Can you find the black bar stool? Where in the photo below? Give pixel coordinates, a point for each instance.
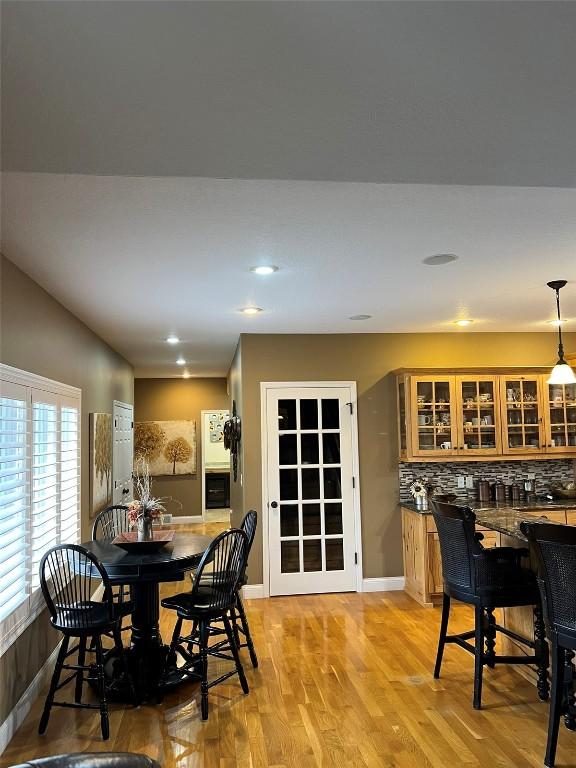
(211, 599)
(69, 576)
(554, 548)
(486, 579)
(108, 524)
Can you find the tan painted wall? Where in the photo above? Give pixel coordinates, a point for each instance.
(367, 359)
(169, 399)
(38, 334)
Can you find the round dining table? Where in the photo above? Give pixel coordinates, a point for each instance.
(143, 573)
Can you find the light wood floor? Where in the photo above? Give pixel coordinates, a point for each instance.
(344, 680)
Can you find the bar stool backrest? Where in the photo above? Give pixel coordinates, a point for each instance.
(111, 522)
(248, 525)
(554, 547)
(69, 576)
(458, 543)
(220, 570)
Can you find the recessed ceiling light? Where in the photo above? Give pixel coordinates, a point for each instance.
(264, 269)
(180, 361)
(439, 258)
(251, 310)
(172, 340)
(360, 317)
(463, 322)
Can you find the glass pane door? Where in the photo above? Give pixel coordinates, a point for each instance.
(402, 436)
(432, 416)
(522, 415)
(311, 517)
(561, 404)
(478, 419)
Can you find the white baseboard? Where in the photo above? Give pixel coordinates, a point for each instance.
(20, 711)
(185, 519)
(383, 584)
(253, 591)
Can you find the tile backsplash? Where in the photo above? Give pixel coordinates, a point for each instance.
(548, 473)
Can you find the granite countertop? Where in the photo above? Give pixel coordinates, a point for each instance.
(486, 506)
(507, 516)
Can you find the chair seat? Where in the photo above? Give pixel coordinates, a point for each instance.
(86, 617)
(93, 760)
(203, 603)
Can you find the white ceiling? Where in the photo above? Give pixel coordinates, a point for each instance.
(138, 258)
(412, 92)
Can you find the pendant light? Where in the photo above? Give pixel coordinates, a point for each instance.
(561, 373)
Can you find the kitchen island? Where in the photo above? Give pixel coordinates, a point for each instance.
(498, 523)
(500, 526)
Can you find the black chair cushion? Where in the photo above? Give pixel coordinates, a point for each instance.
(93, 760)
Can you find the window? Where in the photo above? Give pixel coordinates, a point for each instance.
(39, 487)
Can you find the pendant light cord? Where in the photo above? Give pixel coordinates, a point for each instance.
(560, 345)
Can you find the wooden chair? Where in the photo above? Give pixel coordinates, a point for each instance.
(487, 579)
(554, 549)
(211, 599)
(108, 524)
(69, 576)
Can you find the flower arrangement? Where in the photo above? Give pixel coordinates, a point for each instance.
(145, 508)
(419, 489)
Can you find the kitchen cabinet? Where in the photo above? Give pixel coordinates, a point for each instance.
(475, 414)
(560, 422)
(522, 414)
(422, 558)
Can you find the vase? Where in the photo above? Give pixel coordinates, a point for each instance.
(144, 526)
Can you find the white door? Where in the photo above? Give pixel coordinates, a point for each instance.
(312, 527)
(122, 452)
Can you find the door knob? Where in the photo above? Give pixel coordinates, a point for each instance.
(273, 504)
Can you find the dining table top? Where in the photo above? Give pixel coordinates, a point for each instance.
(169, 563)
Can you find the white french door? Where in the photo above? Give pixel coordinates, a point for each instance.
(312, 525)
(122, 452)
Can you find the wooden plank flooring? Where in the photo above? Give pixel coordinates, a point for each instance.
(344, 680)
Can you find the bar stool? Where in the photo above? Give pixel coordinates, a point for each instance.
(69, 576)
(554, 549)
(108, 524)
(211, 599)
(487, 579)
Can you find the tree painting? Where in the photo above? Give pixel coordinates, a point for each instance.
(168, 447)
(177, 450)
(149, 439)
(100, 461)
(103, 447)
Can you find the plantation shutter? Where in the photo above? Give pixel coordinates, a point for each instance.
(14, 488)
(69, 472)
(45, 490)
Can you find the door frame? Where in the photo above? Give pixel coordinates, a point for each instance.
(264, 387)
(202, 414)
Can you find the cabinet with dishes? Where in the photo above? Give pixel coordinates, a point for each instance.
(480, 414)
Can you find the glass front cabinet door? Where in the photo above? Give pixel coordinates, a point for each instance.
(560, 402)
(432, 416)
(478, 415)
(522, 414)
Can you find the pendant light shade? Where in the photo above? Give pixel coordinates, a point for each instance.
(561, 373)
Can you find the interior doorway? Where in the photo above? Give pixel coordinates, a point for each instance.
(311, 506)
(215, 467)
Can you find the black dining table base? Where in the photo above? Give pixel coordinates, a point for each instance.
(147, 655)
